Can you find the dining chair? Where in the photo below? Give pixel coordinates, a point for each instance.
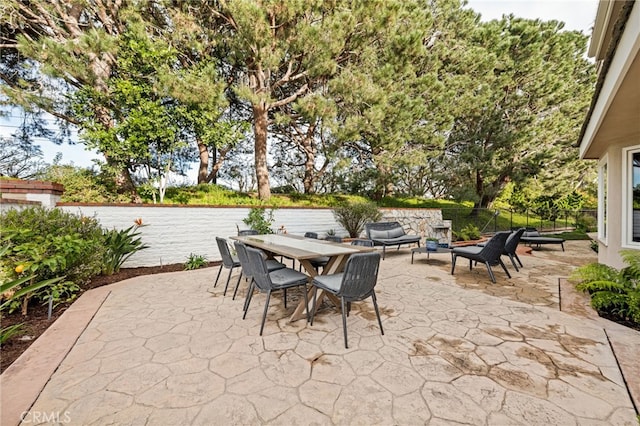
(247, 232)
(356, 283)
(362, 242)
(334, 238)
(241, 250)
(489, 254)
(316, 262)
(228, 261)
(266, 282)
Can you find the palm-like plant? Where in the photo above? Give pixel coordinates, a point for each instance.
(613, 292)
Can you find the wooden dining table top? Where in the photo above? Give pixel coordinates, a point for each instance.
(297, 247)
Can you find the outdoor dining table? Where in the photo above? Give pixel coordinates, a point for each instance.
(303, 250)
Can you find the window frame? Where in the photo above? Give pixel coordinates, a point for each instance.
(603, 199)
(627, 197)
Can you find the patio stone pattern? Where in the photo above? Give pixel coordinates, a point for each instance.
(170, 349)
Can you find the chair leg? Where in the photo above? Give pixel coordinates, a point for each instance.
(375, 306)
(504, 267)
(518, 259)
(562, 245)
(218, 276)
(235, 291)
(284, 294)
(384, 248)
(453, 262)
(493, 279)
(264, 314)
(470, 265)
(313, 309)
(247, 298)
(344, 321)
(306, 301)
(248, 301)
(513, 262)
(224, 293)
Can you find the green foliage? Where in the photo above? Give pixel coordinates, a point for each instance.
(594, 246)
(469, 232)
(353, 216)
(83, 185)
(50, 243)
(586, 223)
(614, 293)
(7, 333)
(260, 220)
(120, 245)
(195, 261)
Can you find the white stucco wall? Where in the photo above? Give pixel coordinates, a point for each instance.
(608, 252)
(173, 232)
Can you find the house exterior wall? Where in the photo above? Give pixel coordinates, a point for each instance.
(608, 252)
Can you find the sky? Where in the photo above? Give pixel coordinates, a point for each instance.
(576, 14)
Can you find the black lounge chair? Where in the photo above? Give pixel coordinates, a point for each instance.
(511, 246)
(489, 254)
(532, 236)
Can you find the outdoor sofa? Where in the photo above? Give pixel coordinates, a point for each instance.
(389, 234)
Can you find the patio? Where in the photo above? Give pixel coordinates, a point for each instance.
(170, 349)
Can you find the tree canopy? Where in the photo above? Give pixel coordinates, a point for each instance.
(379, 97)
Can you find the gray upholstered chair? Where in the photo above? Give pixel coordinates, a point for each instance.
(247, 232)
(334, 238)
(489, 254)
(357, 282)
(266, 282)
(362, 242)
(317, 262)
(228, 261)
(241, 250)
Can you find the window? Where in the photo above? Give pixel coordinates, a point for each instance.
(631, 197)
(603, 179)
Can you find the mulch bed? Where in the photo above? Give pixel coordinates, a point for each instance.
(36, 321)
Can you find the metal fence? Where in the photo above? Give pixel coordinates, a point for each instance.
(492, 220)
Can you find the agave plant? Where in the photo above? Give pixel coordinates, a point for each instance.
(613, 292)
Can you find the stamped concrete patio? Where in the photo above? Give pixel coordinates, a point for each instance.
(170, 350)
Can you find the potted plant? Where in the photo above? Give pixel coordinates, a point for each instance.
(353, 216)
(431, 244)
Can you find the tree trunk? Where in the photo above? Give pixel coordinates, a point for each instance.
(309, 149)
(260, 135)
(203, 167)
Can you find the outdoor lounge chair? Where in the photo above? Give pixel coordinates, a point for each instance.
(532, 236)
(357, 282)
(511, 246)
(489, 254)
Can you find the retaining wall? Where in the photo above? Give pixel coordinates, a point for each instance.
(173, 232)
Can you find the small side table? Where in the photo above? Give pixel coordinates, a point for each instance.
(424, 250)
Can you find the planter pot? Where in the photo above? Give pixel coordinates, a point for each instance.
(431, 245)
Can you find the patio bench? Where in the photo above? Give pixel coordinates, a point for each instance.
(389, 234)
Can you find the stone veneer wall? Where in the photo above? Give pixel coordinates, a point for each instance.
(425, 222)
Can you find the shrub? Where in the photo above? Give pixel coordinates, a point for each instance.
(195, 261)
(614, 293)
(586, 223)
(47, 244)
(259, 220)
(353, 216)
(121, 245)
(469, 232)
